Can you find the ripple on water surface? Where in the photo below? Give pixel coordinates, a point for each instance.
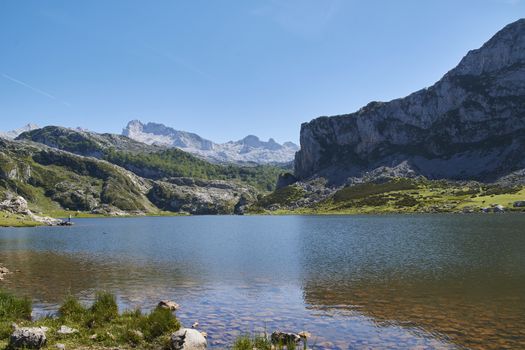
(358, 282)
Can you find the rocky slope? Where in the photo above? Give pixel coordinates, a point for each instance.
(469, 125)
(249, 149)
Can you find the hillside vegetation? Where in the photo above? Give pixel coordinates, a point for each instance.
(398, 195)
(151, 161)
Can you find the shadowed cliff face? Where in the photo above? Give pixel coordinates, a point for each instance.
(469, 125)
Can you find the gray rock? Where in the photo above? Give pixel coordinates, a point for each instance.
(60, 346)
(498, 208)
(168, 304)
(65, 330)
(188, 339)
(28, 338)
(518, 204)
(3, 271)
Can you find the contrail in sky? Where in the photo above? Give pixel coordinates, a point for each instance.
(37, 90)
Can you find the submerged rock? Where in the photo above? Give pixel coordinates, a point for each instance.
(284, 338)
(28, 338)
(188, 339)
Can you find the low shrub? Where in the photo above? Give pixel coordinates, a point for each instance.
(72, 309)
(158, 322)
(105, 308)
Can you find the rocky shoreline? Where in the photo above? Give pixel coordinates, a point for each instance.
(17, 205)
(101, 326)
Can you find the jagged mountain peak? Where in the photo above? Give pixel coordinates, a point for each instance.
(504, 49)
(249, 149)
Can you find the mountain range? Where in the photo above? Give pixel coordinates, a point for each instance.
(248, 150)
(457, 145)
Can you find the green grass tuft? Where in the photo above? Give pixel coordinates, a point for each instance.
(72, 310)
(14, 308)
(105, 308)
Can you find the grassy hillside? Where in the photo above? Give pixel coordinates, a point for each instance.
(150, 161)
(395, 196)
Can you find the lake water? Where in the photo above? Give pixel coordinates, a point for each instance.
(354, 282)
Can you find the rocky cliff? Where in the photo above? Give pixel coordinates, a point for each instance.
(469, 125)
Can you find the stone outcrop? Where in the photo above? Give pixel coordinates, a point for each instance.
(195, 196)
(28, 338)
(469, 125)
(18, 205)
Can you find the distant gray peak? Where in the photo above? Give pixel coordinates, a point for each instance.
(505, 49)
(14, 133)
(248, 149)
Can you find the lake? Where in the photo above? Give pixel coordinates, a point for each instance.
(354, 282)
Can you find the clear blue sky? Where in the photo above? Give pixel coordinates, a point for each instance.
(226, 69)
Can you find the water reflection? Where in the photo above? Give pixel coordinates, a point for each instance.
(393, 282)
(457, 279)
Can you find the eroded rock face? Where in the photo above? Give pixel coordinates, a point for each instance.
(188, 339)
(199, 197)
(469, 125)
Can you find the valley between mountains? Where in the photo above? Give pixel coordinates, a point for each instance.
(456, 146)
